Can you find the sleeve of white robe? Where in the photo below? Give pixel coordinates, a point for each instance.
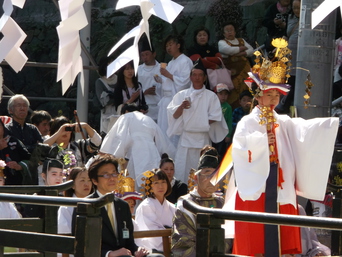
(176, 126)
(163, 143)
(118, 139)
(9, 211)
(312, 143)
(251, 158)
(181, 78)
(147, 218)
(218, 129)
(64, 220)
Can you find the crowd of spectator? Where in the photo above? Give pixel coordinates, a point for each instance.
(158, 119)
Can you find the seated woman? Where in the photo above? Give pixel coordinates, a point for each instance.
(82, 188)
(155, 212)
(209, 55)
(178, 188)
(63, 135)
(235, 52)
(128, 89)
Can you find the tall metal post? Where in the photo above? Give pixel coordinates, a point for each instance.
(83, 90)
(315, 53)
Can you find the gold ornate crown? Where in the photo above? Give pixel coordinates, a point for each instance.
(277, 70)
(126, 183)
(191, 179)
(147, 181)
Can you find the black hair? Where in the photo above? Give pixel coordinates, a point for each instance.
(59, 122)
(4, 128)
(198, 30)
(165, 159)
(229, 23)
(103, 63)
(39, 116)
(245, 93)
(177, 39)
(99, 162)
(159, 175)
(129, 108)
(52, 163)
(121, 84)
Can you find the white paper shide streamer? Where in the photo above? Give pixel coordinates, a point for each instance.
(13, 37)
(323, 10)
(165, 9)
(73, 19)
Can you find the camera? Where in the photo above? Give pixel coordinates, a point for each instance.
(70, 129)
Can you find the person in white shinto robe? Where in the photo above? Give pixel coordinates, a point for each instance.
(198, 122)
(137, 137)
(175, 77)
(146, 73)
(155, 212)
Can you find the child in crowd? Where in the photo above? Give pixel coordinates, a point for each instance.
(246, 100)
(222, 93)
(52, 173)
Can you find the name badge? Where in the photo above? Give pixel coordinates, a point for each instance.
(125, 232)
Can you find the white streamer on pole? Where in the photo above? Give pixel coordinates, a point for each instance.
(164, 9)
(69, 56)
(323, 10)
(13, 37)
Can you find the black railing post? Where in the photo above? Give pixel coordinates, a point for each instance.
(209, 235)
(88, 229)
(336, 236)
(50, 218)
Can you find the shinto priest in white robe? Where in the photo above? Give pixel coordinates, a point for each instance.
(137, 137)
(194, 128)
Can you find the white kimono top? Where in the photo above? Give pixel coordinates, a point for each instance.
(152, 215)
(64, 218)
(146, 75)
(180, 68)
(139, 138)
(8, 211)
(194, 128)
(305, 149)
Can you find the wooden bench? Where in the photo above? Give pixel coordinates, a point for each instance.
(164, 233)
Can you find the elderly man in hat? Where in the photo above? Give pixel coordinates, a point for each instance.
(184, 222)
(195, 115)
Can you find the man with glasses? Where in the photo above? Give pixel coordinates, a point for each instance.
(184, 222)
(28, 134)
(117, 227)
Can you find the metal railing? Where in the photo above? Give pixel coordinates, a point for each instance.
(210, 234)
(40, 234)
